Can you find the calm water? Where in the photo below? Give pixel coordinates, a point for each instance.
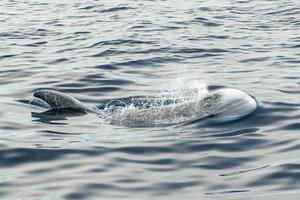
(101, 50)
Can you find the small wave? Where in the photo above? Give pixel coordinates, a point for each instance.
(7, 56)
(286, 11)
(59, 60)
(87, 7)
(205, 22)
(199, 50)
(115, 9)
(109, 52)
(120, 42)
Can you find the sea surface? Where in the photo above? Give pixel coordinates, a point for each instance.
(102, 50)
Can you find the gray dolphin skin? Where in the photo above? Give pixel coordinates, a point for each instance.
(59, 100)
(224, 105)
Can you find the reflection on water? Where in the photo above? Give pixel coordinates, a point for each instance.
(103, 50)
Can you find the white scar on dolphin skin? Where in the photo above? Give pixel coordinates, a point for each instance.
(224, 105)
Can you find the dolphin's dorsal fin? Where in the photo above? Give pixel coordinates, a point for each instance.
(59, 100)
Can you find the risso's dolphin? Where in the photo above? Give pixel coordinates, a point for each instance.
(222, 105)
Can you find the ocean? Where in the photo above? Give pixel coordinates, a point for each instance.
(101, 50)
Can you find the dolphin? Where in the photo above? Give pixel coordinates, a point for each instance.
(219, 106)
(222, 105)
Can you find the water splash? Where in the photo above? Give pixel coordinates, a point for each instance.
(170, 106)
(189, 102)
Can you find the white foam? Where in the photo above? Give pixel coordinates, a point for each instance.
(190, 102)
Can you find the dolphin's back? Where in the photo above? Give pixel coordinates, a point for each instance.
(59, 100)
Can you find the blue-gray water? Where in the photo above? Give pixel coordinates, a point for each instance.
(101, 50)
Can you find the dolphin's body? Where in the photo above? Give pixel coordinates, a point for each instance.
(222, 105)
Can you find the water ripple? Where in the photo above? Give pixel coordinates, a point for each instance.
(105, 50)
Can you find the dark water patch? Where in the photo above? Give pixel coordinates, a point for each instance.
(154, 61)
(290, 148)
(264, 26)
(88, 7)
(89, 190)
(293, 61)
(243, 2)
(227, 192)
(206, 22)
(292, 77)
(60, 132)
(109, 52)
(7, 56)
(153, 51)
(111, 82)
(82, 32)
(289, 45)
(293, 126)
(136, 150)
(5, 184)
(120, 42)
(70, 85)
(57, 61)
(107, 67)
(285, 176)
(221, 37)
(98, 170)
(41, 171)
(242, 71)
(198, 50)
(100, 89)
(282, 105)
(205, 9)
(171, 186)
(129, 181)
(36, 44)
(14, 157)
(65, 38)
(218, 163)
(170, 27)
(295, 46)
(138, 27)
(260, 59)
(161, 169)
(285, 11)
(166, 161)
(12, 35)
(205, 55)
(93, 77)
(289, 91)
(115, 9)
(16, 73)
